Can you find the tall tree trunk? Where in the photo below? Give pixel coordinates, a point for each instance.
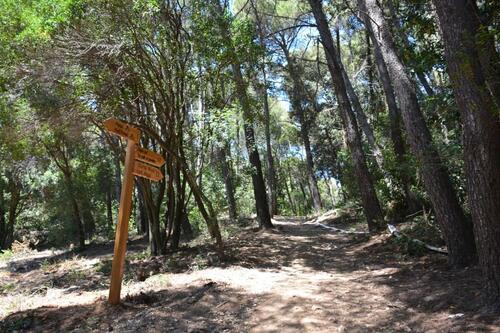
(88, 217)
(481, 135)
(395, 126)
(76, 208)
(311, 177)
(187, 230)
(370, 202)
(156, 236)
(457, 230)
(178, 217)
(143, 216)
(271, 172)
(290, 198)
(204, 205)
(7, 223)
(227, 175)
(259, 188)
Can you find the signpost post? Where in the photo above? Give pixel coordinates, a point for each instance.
(132, 168)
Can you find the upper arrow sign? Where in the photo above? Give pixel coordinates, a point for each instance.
(147, 171)
(149, 156)
(122, 129)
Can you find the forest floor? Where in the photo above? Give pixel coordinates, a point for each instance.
(299, 278)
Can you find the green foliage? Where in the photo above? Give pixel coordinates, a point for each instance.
(409, 246)
(5, 255)
(67, 65)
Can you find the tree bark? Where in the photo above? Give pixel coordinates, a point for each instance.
(311, 177)
(271, 172)
(457, 230)
(404, 39)
(76, 213)
(481, 131)
(187, 230)
(7, 223)
(395, 126)
(369, 199)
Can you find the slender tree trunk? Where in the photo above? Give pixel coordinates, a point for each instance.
(457, 230)
(290, 199)
(7, 223)
(109, 208)
(370, 203)
(88, 217)
(156, 237)
(271, 173)
(227, 175)
(15, 199)
(187, 230)
(76, 209)
(372, 99)
(118, 178)
(395, 126)
(481, 135)
(204, 205)
(305, 199)
(179, 208)
(361, 118)
(311, 177)
(143, 216)
(259, 187)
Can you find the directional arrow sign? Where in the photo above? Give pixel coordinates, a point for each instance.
(147, 171)
(149, 156)
(122, 129)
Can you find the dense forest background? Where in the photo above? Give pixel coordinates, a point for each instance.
(260, 108)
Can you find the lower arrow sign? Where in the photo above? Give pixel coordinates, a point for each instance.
(147, 171)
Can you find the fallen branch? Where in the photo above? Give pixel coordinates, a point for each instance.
(342, 231)
(394, 232)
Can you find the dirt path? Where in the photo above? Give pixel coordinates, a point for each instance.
(298, 279)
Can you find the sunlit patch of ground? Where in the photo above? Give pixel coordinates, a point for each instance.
(300, 278)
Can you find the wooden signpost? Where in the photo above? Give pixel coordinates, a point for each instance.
(132, 168)
(147, 171)
(149, 156)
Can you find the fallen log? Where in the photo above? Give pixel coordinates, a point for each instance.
(342, 231)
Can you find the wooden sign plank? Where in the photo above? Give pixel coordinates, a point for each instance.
(122, 226)
(122, 129)
(150, 157)
(147, 171)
